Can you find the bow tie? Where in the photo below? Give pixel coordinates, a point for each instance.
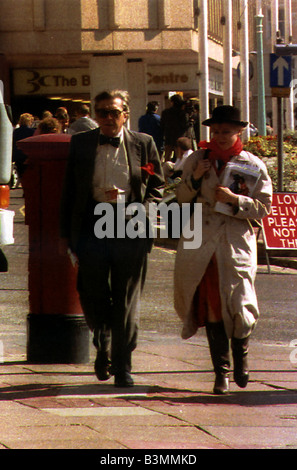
(104, 139)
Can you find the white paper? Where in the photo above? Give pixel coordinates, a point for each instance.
(240, 178)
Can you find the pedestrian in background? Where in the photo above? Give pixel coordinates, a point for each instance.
(150, 123)
(174, 170)
(174, 124)
(49, 125)
(83, 122)
(103, 164)
(214, 284)
(22, 131)
(62, 116)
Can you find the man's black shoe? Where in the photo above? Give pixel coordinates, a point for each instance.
(123, 380)
(102, 366)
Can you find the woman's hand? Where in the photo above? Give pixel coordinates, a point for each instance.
(202, 167)
(225, 195)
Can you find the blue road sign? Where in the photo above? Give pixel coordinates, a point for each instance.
(280, 71)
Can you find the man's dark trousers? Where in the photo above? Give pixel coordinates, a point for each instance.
(110, 279)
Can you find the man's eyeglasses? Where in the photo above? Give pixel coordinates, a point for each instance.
(104, 113)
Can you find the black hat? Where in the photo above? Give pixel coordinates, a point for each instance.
(225, 113)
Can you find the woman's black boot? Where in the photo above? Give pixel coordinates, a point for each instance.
(240, 353)
(219, 351)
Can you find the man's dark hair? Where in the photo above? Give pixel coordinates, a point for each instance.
(152, 107)
(177, 100)
(112, 94)
(83, 109)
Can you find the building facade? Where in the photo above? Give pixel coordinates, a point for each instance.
(284, 14)
(59, 52)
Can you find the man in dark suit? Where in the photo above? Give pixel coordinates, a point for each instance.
(104, 164)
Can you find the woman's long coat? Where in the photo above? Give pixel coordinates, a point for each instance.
(232, 240)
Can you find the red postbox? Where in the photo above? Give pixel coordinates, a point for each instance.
(56, 328)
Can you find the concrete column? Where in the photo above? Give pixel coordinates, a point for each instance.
(244, 69)
(117, 72)
(107, 72)
(227, 44)
(137, 88)
(203, 68)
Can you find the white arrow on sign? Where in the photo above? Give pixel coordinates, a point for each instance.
(280, 64)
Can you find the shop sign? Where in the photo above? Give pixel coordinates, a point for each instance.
(51, 81)
(182, 77)
(171, 77)
(280, 226)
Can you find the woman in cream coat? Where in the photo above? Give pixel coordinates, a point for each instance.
(214, 284)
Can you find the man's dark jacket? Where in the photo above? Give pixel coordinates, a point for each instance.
(145, 187)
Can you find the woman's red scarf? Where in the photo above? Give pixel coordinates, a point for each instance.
(216, 153)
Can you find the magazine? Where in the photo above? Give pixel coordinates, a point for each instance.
(240, 178)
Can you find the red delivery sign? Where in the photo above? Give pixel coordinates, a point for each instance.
(280, 226)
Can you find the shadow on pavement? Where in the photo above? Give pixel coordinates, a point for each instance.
(146, 393)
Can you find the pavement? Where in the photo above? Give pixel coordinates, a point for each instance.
(170, 412)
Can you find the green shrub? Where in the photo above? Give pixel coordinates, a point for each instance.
(266, 149)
